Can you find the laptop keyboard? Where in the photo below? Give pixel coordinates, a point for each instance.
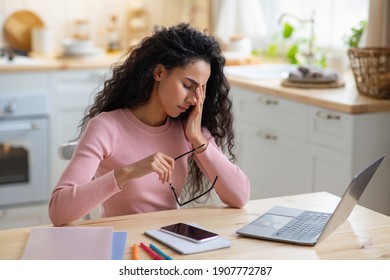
(304, 227)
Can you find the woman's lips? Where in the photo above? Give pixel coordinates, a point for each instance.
(182, 109)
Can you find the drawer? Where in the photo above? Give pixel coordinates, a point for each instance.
(331, 129)
(23, 81)
(273, 112)
(78, 80)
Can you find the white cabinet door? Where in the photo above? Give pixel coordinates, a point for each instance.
(330, 145)
(329, 170)
(271, 147)
(274, 161)
(72, 92)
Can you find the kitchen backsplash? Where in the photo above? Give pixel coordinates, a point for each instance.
(133, 17)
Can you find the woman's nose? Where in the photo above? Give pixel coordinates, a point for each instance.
(191, 98)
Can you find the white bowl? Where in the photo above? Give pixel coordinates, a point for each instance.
(77, 47)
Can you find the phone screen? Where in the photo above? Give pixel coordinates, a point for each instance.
(190, 232)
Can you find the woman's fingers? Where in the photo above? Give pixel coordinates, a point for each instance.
(158, 163)
(163, 165)
(200, 96)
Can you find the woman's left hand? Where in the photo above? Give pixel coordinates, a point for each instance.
(193, 128)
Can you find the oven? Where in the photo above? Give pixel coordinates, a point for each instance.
(24, 144)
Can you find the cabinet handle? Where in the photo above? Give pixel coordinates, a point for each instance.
(266, 101)
(328, 116)
(267, 136)
(7, 127)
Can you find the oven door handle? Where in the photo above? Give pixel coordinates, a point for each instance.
(19, 126)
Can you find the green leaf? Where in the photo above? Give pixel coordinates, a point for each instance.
(323, 62)
(287, 30)
(291, 54)
(353, 39)
(272, 50)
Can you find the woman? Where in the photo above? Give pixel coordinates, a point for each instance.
(168, 97)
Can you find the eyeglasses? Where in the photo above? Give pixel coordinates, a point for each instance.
(195, 198)
(193, 150)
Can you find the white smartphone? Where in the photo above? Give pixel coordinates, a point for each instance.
(189, 232)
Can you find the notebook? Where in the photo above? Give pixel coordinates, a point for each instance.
(119, 240)
(75, 243)
(184, 246)
(298, 226)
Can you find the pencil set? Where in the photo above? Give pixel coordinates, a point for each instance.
(152, 250)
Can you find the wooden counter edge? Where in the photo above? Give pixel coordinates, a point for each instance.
(359, 105)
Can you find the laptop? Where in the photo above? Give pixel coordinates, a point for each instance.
(298, 226)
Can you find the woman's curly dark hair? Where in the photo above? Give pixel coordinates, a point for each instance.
(131, 83)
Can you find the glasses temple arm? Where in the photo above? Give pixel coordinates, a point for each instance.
(193, 150)
(174, 193)
(195, 198)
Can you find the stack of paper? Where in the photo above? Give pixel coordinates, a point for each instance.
(75, 243)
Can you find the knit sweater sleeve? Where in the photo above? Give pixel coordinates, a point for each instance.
(77, 192)
(232, 186)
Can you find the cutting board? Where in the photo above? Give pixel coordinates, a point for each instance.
(334, 84)
(18, 27)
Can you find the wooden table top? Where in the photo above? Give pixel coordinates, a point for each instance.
(365, 235)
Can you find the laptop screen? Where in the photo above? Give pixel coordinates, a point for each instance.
(350, 198)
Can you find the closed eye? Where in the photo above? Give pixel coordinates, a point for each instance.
(187, 86)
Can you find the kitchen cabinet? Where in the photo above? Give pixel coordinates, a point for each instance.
(330, 149)
(340, 145)
(24, 118)
(71, 93)
(271, 143)
(288, 147)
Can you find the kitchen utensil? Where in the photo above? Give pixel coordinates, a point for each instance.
(18, 27)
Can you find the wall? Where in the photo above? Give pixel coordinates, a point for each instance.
(59, 15)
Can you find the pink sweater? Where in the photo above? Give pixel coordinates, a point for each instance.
(117, 138)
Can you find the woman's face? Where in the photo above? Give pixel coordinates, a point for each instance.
(176, 88)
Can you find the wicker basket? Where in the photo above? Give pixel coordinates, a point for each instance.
(371, 68)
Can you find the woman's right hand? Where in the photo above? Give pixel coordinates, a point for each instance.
(159, 163)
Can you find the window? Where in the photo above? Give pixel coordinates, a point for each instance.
(333, 18)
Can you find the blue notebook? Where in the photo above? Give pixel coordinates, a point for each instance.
(119, 239)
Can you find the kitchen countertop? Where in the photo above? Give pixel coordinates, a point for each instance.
(62, 63)
(344, 99)
(39, 63)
